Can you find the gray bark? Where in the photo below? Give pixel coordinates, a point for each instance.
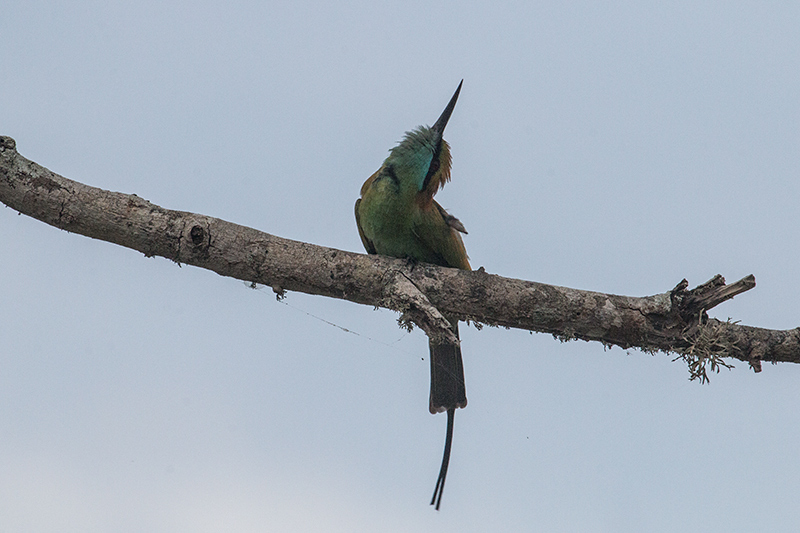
(673, 321)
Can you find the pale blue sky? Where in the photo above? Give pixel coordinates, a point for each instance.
(617, 148)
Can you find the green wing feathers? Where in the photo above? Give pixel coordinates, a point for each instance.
(368, 246)
(438, 232)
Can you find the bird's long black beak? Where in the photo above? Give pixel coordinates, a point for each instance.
(445, 116)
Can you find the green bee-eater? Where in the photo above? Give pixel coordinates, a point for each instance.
(397, 216)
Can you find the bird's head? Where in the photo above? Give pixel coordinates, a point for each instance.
(423, 156)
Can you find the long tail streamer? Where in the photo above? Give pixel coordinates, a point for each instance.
(451, 414)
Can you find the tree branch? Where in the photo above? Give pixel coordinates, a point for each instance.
(674, 321)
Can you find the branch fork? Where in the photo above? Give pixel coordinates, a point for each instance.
(402, 295)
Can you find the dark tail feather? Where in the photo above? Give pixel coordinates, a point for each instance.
(448, 393)
(439, 490)
(447, 376)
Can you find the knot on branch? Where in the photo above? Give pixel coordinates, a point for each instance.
(197, 234)
(193, 241)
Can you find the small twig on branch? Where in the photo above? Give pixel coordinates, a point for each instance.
(674, 321)
(711, 293)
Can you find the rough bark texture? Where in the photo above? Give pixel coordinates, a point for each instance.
(673, 321)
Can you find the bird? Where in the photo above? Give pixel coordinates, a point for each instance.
(397, 216)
